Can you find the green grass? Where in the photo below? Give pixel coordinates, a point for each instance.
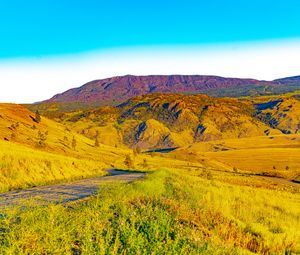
(170, 212)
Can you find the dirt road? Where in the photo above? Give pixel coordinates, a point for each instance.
(67, 192)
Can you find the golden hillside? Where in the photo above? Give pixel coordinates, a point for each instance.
(277, 155)
(37, 152)
(158, 121)
(281, 113)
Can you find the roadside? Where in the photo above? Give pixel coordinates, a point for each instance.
(67, 192)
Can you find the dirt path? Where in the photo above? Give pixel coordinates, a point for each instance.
(67, 192)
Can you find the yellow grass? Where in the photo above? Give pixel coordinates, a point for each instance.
(22, 167)
(270, 155)
(172, 211)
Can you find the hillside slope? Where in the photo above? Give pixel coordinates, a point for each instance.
(158, 121)
(38, 152)
(281, 113)
(41, 152)
(277, 155)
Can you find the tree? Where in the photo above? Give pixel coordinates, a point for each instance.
(37, 116)
(41, 138)
(145, 163)
(13, 135)
(128, 161)
(136, 150)
(74, 143)
(96, 139)
(96, 142)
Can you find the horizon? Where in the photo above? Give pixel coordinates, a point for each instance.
(43, 56)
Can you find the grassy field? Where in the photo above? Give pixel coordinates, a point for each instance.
(22, 167)
(266, 155)
(172, 211)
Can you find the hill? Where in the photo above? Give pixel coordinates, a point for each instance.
(280, 113)
(40, 152)
(115, 90)
(289, 80)
(36, 152)
(160, 121)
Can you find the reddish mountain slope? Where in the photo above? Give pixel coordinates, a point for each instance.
(118, 89)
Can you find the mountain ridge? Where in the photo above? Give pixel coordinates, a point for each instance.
(115, 90)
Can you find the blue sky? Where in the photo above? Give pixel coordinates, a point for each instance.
(47, 47)
(39, 28)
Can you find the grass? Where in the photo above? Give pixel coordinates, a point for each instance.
(36, 153)
(194, 200)
(267, 155)
(22, 167)
(172, 211)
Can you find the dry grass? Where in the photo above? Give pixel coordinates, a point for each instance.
(22, 167)
(273, 155)
(172, 211)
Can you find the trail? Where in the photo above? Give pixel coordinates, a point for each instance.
(67, 192)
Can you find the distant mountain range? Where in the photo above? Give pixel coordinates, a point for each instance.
(115, 90)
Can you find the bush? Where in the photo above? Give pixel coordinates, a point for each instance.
(128, 161)
(37, 117)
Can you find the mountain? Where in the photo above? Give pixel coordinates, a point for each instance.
(289, 80)
(115, 90)
(124, 87)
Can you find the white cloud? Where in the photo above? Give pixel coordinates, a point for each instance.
(30, 80)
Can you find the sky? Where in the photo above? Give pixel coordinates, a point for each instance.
(47, 47)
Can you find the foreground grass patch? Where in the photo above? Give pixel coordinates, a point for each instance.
(169, 212)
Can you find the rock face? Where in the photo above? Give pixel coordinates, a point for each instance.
(119, 89)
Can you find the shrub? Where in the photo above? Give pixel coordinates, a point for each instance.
(37, 117)
(74, 143)
(128, 161)
(145, 163)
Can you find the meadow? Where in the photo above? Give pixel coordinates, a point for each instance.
(172, 211)
(277, 155)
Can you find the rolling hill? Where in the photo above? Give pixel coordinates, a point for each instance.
(36, 152)
(161, 121)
